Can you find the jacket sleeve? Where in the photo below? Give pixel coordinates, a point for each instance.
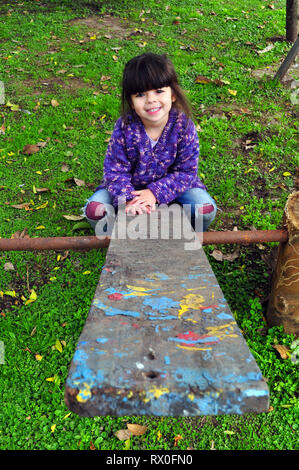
(117, 167)
(183, 172)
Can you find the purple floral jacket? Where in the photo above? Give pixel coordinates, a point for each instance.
(168, 170)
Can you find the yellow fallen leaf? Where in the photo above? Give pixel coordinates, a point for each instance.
(86, 272)
(53, 427)
(92, 38)
(232, 92)
(287, 173)
(272, 169)
(38, 357)
(40, 227)
(42, 206)
(32, 297)
(50, 379)
(11, 293)
(67, 415)
(58, 345)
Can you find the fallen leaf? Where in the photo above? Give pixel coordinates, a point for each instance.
(283, 351)
(65, 167)
(218, 255)
(176, 439)
(54, 103)
(38, 357)
(30, 149)
(21, 234)
(58, 345)
(24, 205)
(74, 217)
(53, 427)
(79, 182)
(8, 267)
(267, 49)
(123, 434)
(136, 429)
(287, 173)
(232, 92)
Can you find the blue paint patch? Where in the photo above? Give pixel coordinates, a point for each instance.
(224, 316)
(111, 311)
(102, 340)
(167, 360)
(164, 317)
(162, 304)
(231, 378)
(210, 339)
(255, 393)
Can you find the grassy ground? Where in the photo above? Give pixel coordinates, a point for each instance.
(61, 64)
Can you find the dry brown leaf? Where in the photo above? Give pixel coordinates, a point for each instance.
(136, 429)
(30, 149)
(41, 190)
(79, 182)
(25, 205)
(283, 351)
(54, 103)
(21, 234)
(218, 255)
(65, 168)
(123, 434)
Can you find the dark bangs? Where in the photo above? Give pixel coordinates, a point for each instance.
(144, 75)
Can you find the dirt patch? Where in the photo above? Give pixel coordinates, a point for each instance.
(52, 85)
(270, 71)
(105, 25)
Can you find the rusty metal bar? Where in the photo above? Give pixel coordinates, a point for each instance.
(93, 242)
(244, 237)
(53, 243)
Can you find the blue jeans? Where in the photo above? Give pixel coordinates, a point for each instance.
(197, 201)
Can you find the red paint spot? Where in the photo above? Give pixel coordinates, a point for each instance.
(135, 325)
(108, 270)
(190, 335)
(208, 306)
(115, 296)
(124, 323)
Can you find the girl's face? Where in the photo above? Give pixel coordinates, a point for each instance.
(153, 106)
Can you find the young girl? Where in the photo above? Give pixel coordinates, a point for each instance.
(152, 156)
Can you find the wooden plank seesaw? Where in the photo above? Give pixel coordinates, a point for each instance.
(160, 338)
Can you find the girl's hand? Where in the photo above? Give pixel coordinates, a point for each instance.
(134, 208)
(145, 199)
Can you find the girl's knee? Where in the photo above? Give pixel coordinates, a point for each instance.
(95, 210)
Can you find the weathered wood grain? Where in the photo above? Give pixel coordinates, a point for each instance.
(160, 338)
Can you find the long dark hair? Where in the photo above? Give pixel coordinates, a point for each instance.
(150, 72)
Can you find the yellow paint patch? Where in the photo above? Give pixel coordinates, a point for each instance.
(139, 289)
(84, 394)
(223, 331)
(190, 301)
(191, 396)
(156, 393)
(193, 348)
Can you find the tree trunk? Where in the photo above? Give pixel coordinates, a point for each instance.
(283, 307)
(291, 20)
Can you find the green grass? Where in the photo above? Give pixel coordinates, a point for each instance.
(58, 51)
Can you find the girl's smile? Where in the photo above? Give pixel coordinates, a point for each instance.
(153, 106)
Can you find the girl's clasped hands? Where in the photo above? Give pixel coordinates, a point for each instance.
(143, 202)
